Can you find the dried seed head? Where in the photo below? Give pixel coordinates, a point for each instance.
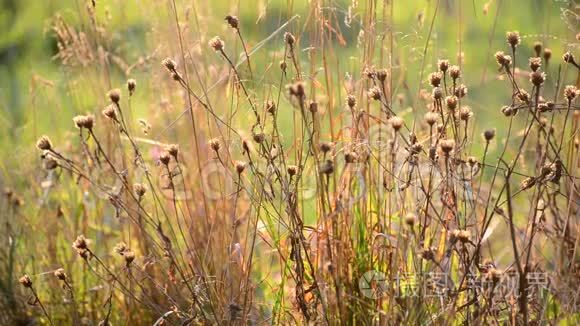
(451, 102)
(428, 253)
(240, 166)
(8, 192)
(502, 59)
(313, 107)
(325, 147)
(508, 111)
(108, 112)
(50, 163)
(447, 146)
(370, 72)
(437, 94)
(173, 150)
(43, 143)
(164, 158)
(535, 63)
(25, 281)
(139, 189)
(327, 167)
(547, 55)
(463, 236)
(292, 170)
(233, 21)
(80, 243)
(537, 78)
(297, 89)
(489, 134)
(289, 38)
(570, 92)
(443, 65)
(131, 85)
(461, 91)
(545, 107)
(215, 144)
(271, 107)
(465, 113)
(431, 118)
(374, 93)
(513, 39)
(524, 96)
(382, 75)
(216, 43)
(396, 123)
(435, 79)
(410, 219)
(169, 64)
(60, 274)
(568, 57)
(114, 95)
(176, 76)
(538, 48)
(259, 137)
(472, 161)
(129, 256)
(350, 157)
(454, 72)
(495, 274)
(351, 101)
(120, 248)
(283, 65)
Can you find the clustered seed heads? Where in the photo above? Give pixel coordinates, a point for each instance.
(84, 121)
(43, 143)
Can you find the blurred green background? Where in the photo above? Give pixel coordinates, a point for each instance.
(32, 82)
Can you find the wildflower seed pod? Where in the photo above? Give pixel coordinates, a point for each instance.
(25, 281)
(216, 43)
(435, 79)
(110, 112)
(233, 21)
(382, 75)
(508, 111)
(350, 157)
(535, 63)
(325, 147)
(60, 274)
(568, 57)
(374, 93)
(292, 170)
(289, 38)
(240, 166)
(451, 102)
(271, 107)
(443, 65)
(537, 78)
(131, 85)
(327, 167)
(313, 107)
(396, 123)
(513, 39)
(139, 189)
(547, 55)
(570, 92)
(489, 134)
(215, 144)
(259, 137)
(43, 143)
(80, 243)
(164, 158)
(173, 150)
(460, 91)
(129, 256)
(465, 113)
(447, 146)
(538, 48)
(454, 72)
(169, 64)
(351, 101)
(437, 94)
(114, 95)
(431, 118)
(502, 59)
(410, 219)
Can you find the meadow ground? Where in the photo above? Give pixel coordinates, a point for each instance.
(289, 162)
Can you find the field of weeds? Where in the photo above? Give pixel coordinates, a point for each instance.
(290, 162)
